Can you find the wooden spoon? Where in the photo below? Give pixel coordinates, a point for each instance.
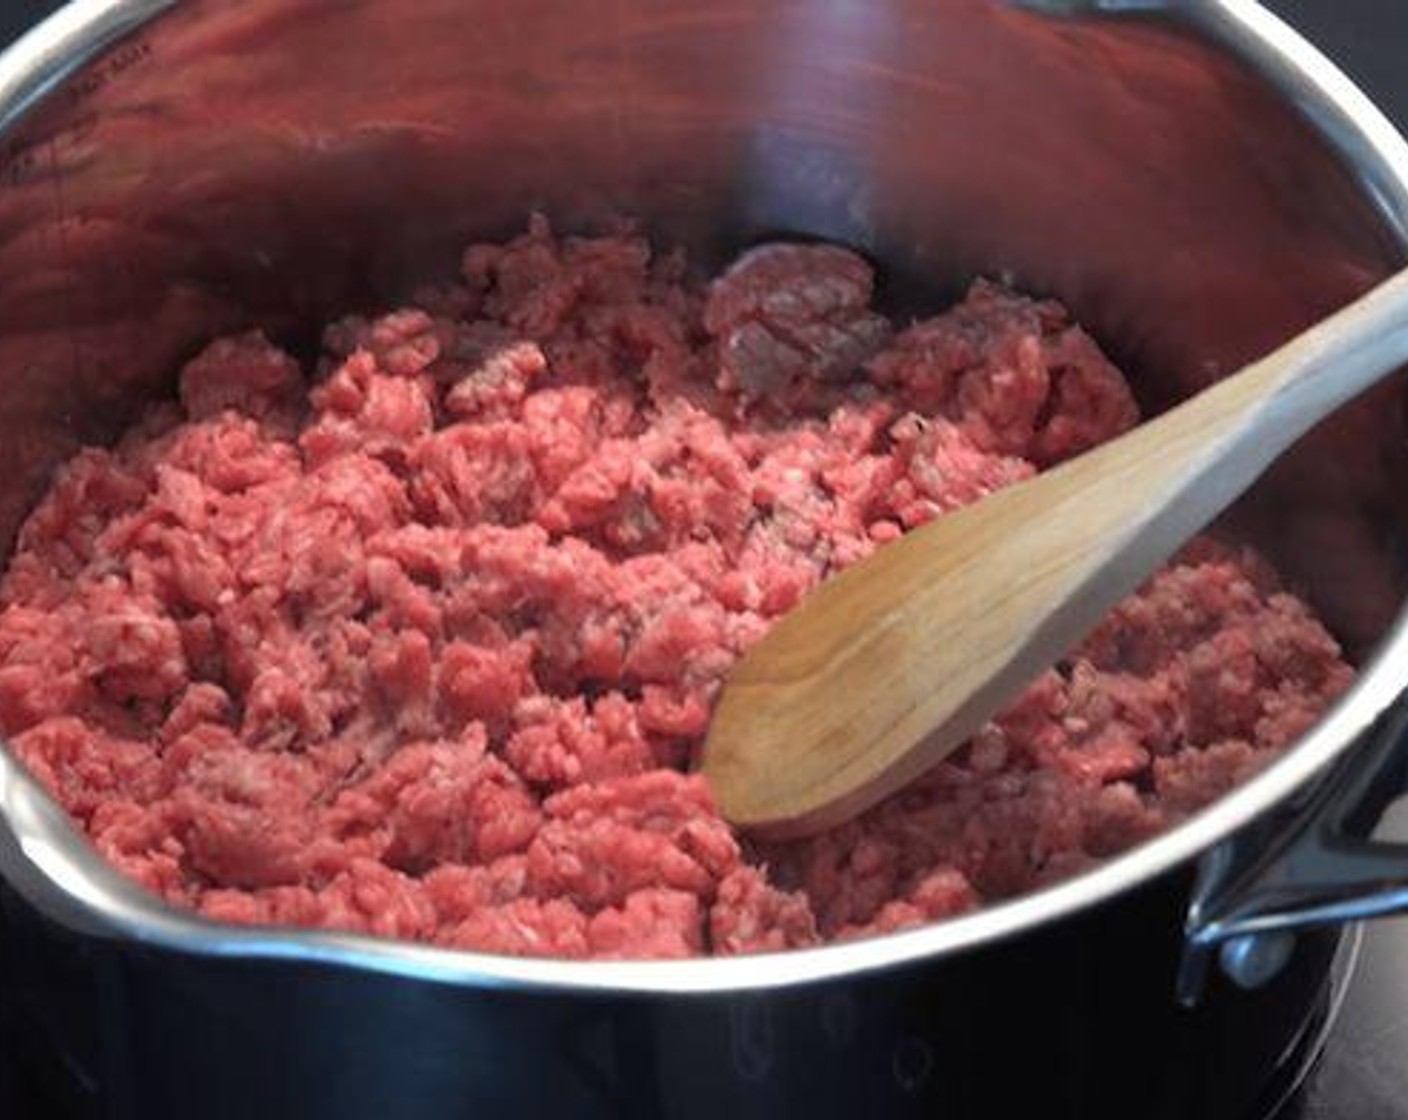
(883, 670)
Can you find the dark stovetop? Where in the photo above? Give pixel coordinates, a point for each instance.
(1362, 1074)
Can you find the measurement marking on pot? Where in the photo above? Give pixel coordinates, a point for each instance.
(124, 58)
(20, 162)
(26, 161)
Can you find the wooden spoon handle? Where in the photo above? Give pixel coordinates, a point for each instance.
(886, 668)
(1238, 426)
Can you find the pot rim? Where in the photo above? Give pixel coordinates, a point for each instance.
(57, 871)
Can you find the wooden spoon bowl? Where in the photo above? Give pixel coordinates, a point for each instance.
(886, 668)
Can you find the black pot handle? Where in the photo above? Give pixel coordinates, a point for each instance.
(1310, 864)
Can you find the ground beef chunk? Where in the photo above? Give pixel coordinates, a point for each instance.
(422, 647)
(1014, 374)
(787, 314)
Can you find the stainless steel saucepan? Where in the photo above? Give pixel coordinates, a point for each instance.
(1192, 178)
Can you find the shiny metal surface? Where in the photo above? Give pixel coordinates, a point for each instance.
(273, 160)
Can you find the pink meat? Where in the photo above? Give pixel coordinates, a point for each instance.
(424, 649)
(786, 315)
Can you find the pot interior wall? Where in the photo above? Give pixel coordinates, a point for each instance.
(270, 161)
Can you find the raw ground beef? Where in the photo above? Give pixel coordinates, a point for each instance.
(422, 646)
